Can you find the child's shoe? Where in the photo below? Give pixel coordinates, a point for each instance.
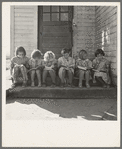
(62, 85)
(44, 85)
(80, 85)
(87, 85)
(53, 85)
(32, 84)
(24, 84)
(104, 86)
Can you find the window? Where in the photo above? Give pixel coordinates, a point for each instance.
(55, 13)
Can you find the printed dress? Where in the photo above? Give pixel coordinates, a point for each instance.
(83, 63)
(102, 67)
(19, 69)
(35, 63)
(70, 62)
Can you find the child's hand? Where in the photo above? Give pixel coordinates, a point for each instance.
(52, 66)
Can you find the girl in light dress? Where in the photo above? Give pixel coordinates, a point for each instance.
(36, 66)
(101, 68)
(66, 66)
(84, 65)
(19, 66)
(50, 67)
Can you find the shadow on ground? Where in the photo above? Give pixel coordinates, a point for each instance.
(84, 109)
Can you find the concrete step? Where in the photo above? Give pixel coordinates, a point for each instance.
(63, 93)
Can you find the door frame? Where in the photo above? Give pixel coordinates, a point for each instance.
(39, 27)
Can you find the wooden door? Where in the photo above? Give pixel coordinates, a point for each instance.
(54, 28)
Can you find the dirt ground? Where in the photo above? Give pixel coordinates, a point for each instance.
(78, 109)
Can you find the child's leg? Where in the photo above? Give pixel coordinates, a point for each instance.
(15, 73)
(87, 77)
(99, 79)
(24, 73)
(62, 73)
(70, 76)
(45, 72)
(81, 76)
(32, 77)
(53, 75)
(39, 77)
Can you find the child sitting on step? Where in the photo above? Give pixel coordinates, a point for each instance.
(19, 66)
(35, 64)
(66, 66)
(50, 66)
(84, 65)
(101, 68)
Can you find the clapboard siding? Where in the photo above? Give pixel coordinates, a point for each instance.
(24, 28)
(84, 32)
(106, 19)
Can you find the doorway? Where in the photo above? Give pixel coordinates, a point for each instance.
(54, 28)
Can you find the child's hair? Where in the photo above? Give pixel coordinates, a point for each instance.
(20, 49)
(65, 50)
(81, 52)
(48, 54)
(36, 54)
(99, 51)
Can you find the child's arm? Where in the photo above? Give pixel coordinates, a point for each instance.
(89, 66)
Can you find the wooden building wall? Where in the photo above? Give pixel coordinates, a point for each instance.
(23, 28)
(84, 31)
(106, 35)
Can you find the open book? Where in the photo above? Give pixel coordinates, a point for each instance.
(34, 68)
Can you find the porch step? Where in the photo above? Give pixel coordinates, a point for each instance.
(63, 93)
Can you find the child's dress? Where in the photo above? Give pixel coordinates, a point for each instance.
(83, 63)
(102, 67)
(35, 63)
(49, 63)
(65, 62)
(17, 71)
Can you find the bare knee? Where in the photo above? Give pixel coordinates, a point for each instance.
(33, 72)
(37, 71)
(81, 72)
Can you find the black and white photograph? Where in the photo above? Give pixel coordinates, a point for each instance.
(61, 63)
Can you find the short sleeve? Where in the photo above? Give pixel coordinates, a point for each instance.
(94, 63)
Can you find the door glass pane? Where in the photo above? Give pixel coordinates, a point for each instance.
(64, 16)
(55, 8)
(46, 17)
(46, 8)
(64, 8)
(55, 16)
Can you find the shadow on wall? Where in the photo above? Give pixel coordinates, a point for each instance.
(67, 108)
